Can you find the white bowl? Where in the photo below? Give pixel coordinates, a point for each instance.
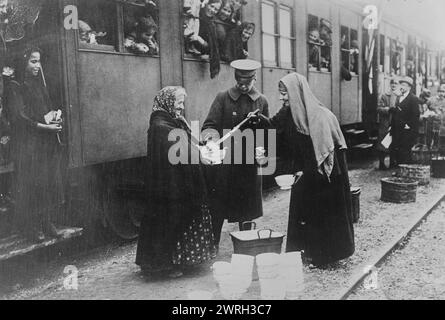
(285, 181)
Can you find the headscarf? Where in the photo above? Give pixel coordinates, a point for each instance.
(165, 101)
(313, 119)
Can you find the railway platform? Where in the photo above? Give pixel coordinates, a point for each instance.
(110, 273)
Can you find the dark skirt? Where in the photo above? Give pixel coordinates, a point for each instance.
(320, 216)
(38, 187)
(191, 246)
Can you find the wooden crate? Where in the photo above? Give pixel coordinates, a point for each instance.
(420, 173)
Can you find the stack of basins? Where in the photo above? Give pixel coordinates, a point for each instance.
(234, 278)
(292, 271)
(273, 284)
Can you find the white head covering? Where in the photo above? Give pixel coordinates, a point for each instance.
(312, 118)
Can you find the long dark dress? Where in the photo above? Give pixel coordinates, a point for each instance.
(320, 214)
(36, 154)
(177, 218)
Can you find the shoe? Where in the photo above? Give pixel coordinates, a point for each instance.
(175, 274)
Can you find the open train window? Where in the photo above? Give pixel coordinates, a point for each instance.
(215, 29)
(119, 26)
(319, 44)
(141, 28)
(350, 51)
(278, 35)
(97, 25)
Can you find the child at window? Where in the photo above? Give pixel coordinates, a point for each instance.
(314, 51)
(236, 42)
(146, 31)
(237, 5)
(224, 23)
(191, 23)
(87, 35)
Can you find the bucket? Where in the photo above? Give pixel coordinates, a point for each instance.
(438, 167)
(355, 197)
(399, 190)
(255, 242)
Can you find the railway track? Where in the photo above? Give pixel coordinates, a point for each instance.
(378, 259)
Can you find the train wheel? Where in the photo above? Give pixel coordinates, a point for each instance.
(123, 213)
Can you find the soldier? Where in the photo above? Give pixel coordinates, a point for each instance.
(235, 188)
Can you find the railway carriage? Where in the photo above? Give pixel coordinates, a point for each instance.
(106, 90)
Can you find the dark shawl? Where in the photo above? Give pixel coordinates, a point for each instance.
(234, 46)
(207, 31)
(175, 194)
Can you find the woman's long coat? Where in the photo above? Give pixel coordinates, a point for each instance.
(320, 214)
(174, 193)
(235, 188)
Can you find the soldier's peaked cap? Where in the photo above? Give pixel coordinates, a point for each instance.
(245, 67)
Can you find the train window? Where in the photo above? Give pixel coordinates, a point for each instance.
(97, 25)
(355, 51)
(396, 57)
(269, 33)
(382, 52)
(287, 39)
(140, 29)
(278, 35)
(345, 41)
(350, 51)
(319, 44)
(214, 30)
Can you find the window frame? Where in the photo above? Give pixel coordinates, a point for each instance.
(348, 50)
(320, 46)
(118, 28)
(278, 37)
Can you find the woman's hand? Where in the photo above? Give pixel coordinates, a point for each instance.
(260, 156)
(53, 127)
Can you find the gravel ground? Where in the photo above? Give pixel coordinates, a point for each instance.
(417, 270)
(112, 274)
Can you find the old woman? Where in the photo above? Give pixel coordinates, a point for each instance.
(176, 230)
(320, 215)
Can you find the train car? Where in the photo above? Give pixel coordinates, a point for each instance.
(106, 89)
